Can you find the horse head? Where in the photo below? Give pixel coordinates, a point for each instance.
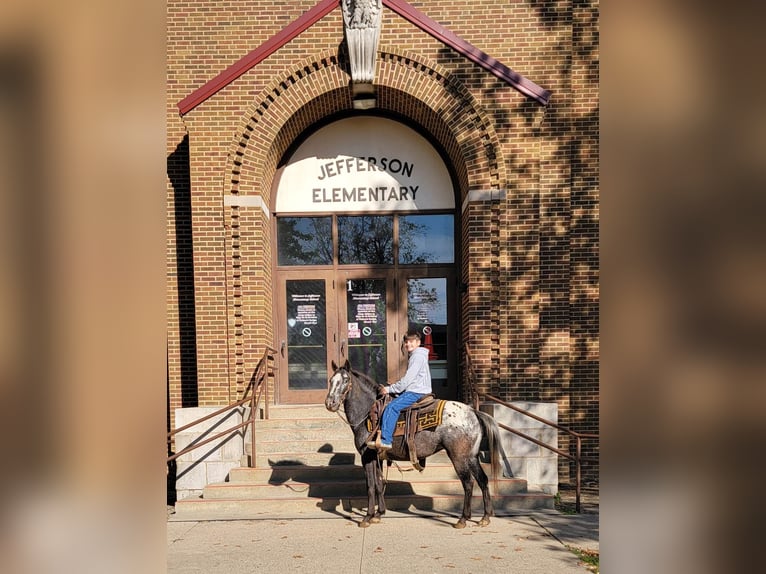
(340, 385)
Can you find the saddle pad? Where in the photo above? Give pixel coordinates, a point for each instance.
(429, 417)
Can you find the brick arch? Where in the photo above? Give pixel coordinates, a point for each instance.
(408, 85)
(431, 96)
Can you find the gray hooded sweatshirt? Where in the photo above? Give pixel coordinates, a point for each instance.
(417, 379)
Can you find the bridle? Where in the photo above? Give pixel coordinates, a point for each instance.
(347, 377)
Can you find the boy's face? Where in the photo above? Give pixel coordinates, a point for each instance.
(411, 344)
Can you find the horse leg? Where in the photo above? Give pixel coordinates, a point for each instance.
(376, 506)
(379, 492)
(481, 477)
(464, 474)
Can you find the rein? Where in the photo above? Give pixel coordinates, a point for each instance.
(345, 420)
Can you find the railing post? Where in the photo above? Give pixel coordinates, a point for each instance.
(577, 483)
(253, 404)
(266, 390)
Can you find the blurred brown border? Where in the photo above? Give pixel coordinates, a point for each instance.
(82, 340)
(683, 285)
(82, 291)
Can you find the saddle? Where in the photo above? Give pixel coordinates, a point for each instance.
(424, 414)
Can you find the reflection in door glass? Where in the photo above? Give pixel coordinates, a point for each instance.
(426, 239)
(366, 334)
(304, 241)
(306, 335)
(427, 314)
(365, 239)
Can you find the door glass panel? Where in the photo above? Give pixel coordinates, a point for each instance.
(366, 329)
(365, 239)
(306, 335)
(304, 240)
(427, 314)
(426, 239)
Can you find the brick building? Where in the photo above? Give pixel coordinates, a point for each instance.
(321, 208)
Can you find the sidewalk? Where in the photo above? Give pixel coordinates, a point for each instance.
(411, 541)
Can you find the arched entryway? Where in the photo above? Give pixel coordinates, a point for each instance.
(364, 230)
(435, 106)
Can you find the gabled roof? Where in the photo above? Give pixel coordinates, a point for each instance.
(324, 7)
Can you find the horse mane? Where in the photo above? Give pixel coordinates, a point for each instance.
(364, 377)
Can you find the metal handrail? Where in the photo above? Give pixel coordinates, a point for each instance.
(257, 388)
(577, 457)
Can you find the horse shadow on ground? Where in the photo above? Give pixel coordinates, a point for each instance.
(339, 486)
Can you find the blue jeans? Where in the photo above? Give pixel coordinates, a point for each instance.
(391, 414)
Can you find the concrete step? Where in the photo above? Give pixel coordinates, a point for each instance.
(199, 509)
(297, 456)
(344, 488)
(299, 412)
(302, 444)
(268, 460)
(400, 471)
(301, 423)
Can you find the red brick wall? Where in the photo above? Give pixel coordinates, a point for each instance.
(529, 253)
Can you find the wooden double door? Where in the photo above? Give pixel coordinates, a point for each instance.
(361, 315)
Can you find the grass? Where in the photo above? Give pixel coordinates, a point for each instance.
(588, 557)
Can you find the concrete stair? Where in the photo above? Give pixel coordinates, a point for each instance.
(306, 463)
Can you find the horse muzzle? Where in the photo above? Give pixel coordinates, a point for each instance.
(331, 404)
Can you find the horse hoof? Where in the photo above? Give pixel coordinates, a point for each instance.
(364, 524)
(375, 520)
(459, 525)
(484, 522)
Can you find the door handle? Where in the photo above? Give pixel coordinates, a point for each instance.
(343, 348)
(282, 349)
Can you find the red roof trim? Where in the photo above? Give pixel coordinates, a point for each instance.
(324, 7)
(305, 21)
(484, 60)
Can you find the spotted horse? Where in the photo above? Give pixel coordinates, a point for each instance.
(460, 433)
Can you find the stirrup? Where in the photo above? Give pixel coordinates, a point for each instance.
(375, 443)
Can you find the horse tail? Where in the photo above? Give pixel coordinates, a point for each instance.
(492, 433)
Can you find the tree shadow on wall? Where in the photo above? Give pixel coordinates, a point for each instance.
(560, 218)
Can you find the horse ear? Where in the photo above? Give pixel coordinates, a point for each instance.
(347, 365)
(334, 366)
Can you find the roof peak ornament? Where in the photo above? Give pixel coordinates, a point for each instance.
(362, 19)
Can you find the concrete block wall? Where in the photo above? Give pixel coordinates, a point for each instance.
(538, 465)
(213, 461)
